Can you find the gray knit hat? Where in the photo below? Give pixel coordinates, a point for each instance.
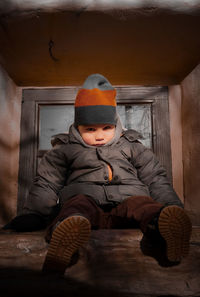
(95, 102)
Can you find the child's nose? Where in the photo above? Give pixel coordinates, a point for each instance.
(99, 136)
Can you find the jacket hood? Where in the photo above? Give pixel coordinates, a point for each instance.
(76, 137)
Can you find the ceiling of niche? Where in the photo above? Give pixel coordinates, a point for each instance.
(61, 46)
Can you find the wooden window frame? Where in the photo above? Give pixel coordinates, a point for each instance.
(32, 98)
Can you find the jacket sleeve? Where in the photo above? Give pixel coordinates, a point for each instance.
(50, 178)
(151, 173)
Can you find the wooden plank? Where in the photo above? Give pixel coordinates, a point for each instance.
(27, 151)
(111, 262)
(161, 128)
(21, 7)
(68, 94)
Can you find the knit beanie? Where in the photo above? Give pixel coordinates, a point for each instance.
(95, 102)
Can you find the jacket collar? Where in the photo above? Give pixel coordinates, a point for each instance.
(132, 135)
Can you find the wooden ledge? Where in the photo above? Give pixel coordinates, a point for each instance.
(112, 261)
(24, 6)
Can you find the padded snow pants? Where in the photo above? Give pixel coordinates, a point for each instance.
(134, 212)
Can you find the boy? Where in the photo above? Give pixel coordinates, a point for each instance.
(102, 177)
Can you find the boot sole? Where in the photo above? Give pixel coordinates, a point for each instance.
(70, 234)
(175, 227)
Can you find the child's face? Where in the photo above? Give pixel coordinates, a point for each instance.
(97, 135)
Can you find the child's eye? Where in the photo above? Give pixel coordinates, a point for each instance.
(107, 128)
(90, 129)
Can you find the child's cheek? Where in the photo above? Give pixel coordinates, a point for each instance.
(88, 138)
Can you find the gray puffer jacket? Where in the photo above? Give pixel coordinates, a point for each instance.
(73, 167)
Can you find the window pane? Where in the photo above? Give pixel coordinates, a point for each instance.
(55, 119)
(137, 117)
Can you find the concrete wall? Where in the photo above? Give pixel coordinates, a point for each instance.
(10, 111)
(191, 142)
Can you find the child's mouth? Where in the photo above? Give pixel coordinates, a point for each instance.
(99, 144)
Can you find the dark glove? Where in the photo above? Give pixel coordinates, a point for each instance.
(26, 222)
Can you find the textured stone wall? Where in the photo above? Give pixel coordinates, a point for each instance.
(191, 142)
(10, 110)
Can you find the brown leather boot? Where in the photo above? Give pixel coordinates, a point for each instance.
(175, 227)
(68, 236)
(167, 236)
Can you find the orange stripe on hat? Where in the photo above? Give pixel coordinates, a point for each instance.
(95, 96)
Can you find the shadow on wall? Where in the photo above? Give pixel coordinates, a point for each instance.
(8, 181)
(10, 110)
(9, 158)
(8, 188)
(9, 178)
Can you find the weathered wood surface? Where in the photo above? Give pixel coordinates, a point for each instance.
(28, 7)
(112, 264)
